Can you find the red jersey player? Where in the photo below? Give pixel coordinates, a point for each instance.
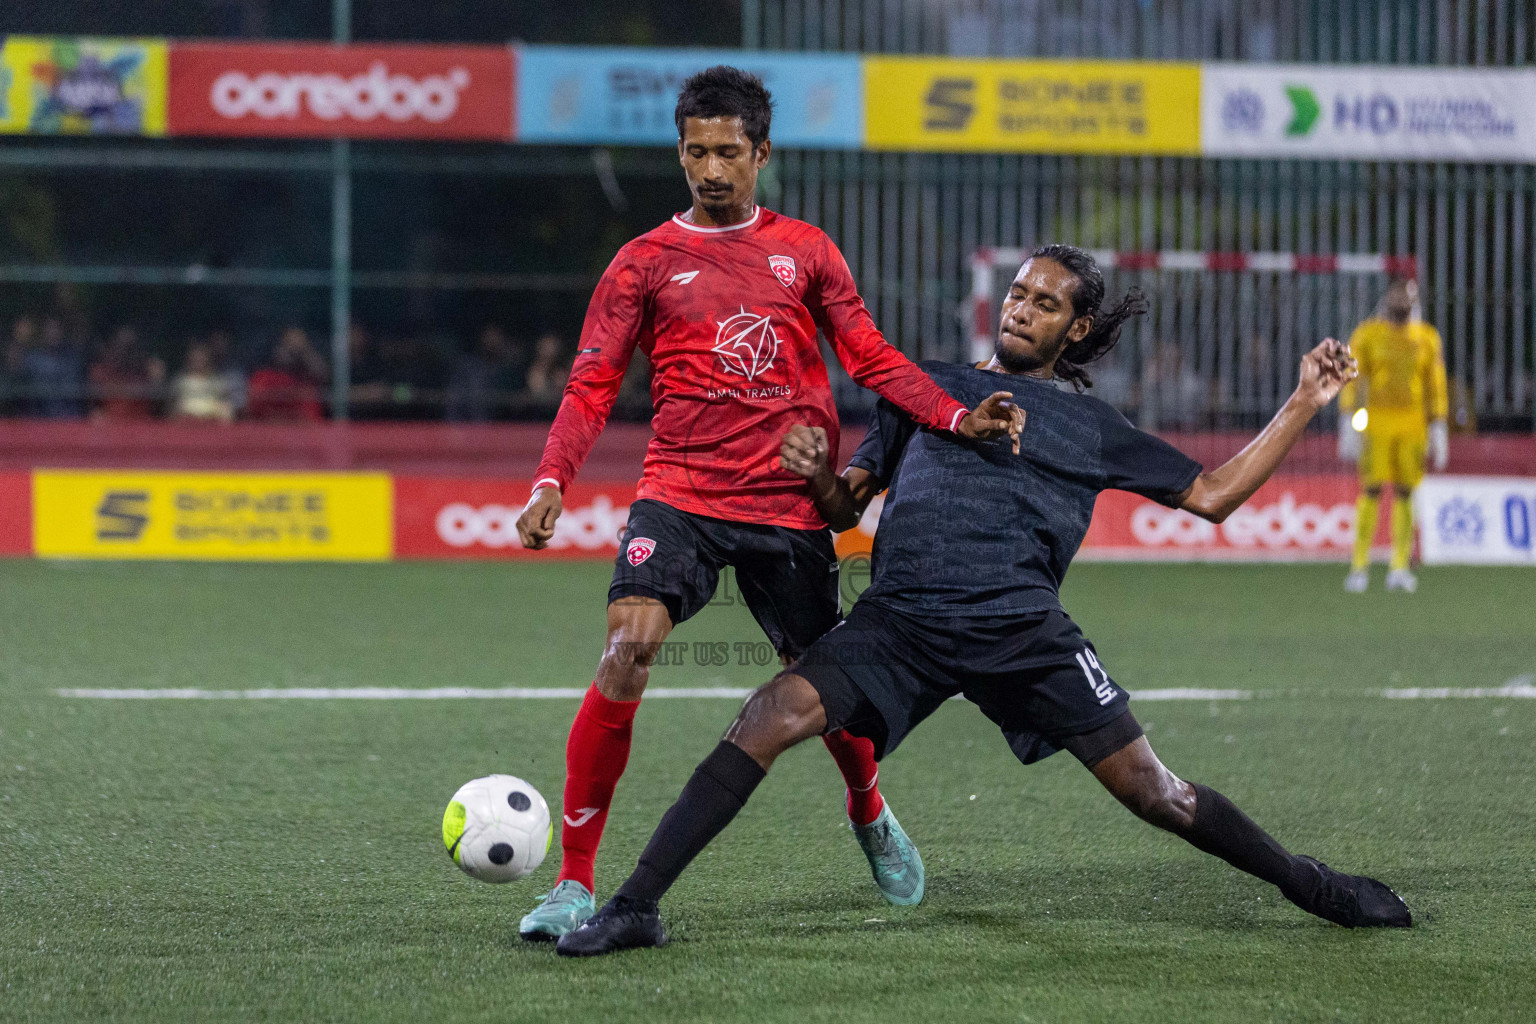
(726, 300)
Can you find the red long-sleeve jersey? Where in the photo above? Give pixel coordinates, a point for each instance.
(728, 317)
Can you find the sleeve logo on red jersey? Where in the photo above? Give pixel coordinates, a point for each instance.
(746, 344)
(783, 268)
(639, 550)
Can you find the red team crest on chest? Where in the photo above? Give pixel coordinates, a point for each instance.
(639, 550)
(783, 268)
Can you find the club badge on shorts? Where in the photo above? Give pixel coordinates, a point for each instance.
(639, 550)
(783, 268)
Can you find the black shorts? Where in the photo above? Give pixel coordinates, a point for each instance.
(882, 672)
(788, 578)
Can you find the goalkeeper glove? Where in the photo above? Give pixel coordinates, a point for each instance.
(1439, 445)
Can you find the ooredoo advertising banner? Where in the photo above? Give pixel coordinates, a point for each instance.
(1367, 113)
(949, 104)
(82, 86)
(438, 517)
(1477, 520)
(218, 516)
(1291, 518)
(316, 90)
(625, 96)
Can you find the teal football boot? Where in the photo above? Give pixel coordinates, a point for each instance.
(895, 862)
(567, 905)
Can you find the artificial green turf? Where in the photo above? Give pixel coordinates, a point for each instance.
(280, 860)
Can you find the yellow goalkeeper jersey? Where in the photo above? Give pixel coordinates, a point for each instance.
(1402, 373)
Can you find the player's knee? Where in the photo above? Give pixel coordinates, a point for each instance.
(780, 714)
(1374, 493)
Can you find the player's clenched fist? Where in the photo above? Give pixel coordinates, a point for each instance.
(537, 523)
(1324, 371)
(804, 451)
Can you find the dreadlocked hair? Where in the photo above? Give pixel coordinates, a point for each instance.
(1087, 297)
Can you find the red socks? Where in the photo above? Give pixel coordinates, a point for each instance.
(598, 750)
(595, 756)
(855, 757)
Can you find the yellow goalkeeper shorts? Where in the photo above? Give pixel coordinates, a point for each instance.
(1392, 457)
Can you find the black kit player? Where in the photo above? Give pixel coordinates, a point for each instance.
(726, 300)
(971, 549)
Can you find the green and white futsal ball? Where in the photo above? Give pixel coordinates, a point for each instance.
(497, 828)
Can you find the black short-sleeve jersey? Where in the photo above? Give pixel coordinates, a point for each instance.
(969, 528)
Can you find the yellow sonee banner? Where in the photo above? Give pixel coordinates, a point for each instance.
(67, 85)
(222, 516)
(923, 103)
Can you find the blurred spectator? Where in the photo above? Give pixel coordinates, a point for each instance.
(200, 391)
(368, 394)
(1176, 394)
(124, 381)
(413, 374)
(53, 373)
(23, 336)
(548, 372)
(288, 387)
(221, 346)
(482, 380)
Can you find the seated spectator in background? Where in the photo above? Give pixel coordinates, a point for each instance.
(200, 391)
(53, 374)
(124, 381)
(369, 391)
(482, 380)
(548, 372)
(23, 336)
(221, 346)
(287, 389)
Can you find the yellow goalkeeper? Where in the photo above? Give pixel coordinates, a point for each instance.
(1390, 418)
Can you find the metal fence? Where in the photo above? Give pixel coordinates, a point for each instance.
(909, 222)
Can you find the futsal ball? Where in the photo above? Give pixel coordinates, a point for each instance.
(497, 828)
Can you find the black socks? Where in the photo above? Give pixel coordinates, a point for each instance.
(718, 790)
(1222, 830)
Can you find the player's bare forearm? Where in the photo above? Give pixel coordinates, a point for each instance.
(1219, 493)
(840, 500)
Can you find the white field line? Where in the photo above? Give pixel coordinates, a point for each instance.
(504, 693)
(1520, 686)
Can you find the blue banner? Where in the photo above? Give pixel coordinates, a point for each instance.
(625, 97)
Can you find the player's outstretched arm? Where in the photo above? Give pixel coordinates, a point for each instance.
(1217, 494)
(841, 500)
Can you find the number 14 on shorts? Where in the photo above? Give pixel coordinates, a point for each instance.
(1102, 688)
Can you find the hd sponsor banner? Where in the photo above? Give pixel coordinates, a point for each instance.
(922, 103)
(1477, 520)
(1367, 113)
(439, 517)
(625, 96)
(317, 90)
(224, 516)
(55, 85)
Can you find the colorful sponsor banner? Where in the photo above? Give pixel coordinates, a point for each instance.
(1291, 518)
(81, 86)
(437, 517)
(1367, 113)
(284, 90)
(624, 96)
(923, 103)
(1477, 520)
(224, 516)
(15, 513)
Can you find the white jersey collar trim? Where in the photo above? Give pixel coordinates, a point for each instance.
(677, 219)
